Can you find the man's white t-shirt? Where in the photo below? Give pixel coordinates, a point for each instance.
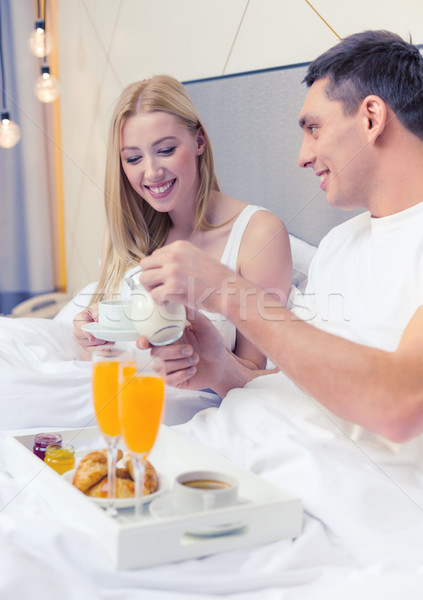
(366, 279)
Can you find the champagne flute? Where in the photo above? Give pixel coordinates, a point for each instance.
(105, 392)
(141, 402)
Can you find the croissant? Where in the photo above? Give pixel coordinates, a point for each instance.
(91, 469)
(151, 480)
(91, 476)
(124, 488)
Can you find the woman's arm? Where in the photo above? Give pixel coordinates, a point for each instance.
(200, 359)
(264, 259)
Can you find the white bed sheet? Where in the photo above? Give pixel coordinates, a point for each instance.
(363, 531)
(44, 384)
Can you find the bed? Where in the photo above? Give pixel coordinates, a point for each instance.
(362, 495)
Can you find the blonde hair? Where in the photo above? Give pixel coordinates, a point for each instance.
(135, 228)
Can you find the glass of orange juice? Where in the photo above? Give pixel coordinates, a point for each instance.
(141, 403)
(105, 391)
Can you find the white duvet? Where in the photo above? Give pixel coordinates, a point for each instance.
(363, 497)
(43, 382)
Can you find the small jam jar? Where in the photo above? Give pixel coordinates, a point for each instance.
(59, 458)
(42, 440)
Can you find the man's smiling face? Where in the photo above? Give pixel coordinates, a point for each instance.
(335, 147)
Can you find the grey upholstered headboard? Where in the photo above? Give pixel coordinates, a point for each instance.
(252, 121)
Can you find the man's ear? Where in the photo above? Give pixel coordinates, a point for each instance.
(375, 116)
(201, 141)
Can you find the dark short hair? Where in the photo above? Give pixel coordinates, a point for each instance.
(374, 62)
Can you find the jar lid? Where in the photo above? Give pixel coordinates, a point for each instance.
(44, 439)
(57, 452)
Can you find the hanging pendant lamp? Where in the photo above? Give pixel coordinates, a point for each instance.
(10, 133)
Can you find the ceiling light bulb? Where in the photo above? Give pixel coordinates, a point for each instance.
(40, 41)
(10, 132)
(47, 87)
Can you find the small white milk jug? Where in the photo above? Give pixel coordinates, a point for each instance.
(160, 324)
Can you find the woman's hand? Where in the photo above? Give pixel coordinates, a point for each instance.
(199, 360)
(85, 339)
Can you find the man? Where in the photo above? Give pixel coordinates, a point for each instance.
(363, 136)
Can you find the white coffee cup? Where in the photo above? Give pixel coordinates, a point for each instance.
(197, 491)
(115, 314)
(160, 324)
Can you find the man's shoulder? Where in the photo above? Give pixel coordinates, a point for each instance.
(339, 240)
(349, 227)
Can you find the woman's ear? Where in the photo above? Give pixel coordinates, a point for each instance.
(201, 141)
(375, 115)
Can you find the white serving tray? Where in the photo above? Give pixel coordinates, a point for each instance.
(266, 514)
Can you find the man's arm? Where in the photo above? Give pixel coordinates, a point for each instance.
(382, 391)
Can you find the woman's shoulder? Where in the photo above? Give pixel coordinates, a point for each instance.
(223, 208)
(261, 222)
(265, 235)
(264, 223)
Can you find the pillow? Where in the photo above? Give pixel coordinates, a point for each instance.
(302, 255)
(78, 303)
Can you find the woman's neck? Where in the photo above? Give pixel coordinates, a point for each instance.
(182, 224)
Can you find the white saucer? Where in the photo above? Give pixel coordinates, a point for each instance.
(110, 335)
(163, 508)
(125, 502)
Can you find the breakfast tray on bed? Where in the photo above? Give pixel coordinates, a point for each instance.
(264, 513)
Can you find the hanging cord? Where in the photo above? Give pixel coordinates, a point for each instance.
(235, 38)
(45, 30)
(242, 19)
(325, 22)
(3, 75)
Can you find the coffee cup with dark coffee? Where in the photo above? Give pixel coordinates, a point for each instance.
(197, 491)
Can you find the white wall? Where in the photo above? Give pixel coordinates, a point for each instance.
(106, 44)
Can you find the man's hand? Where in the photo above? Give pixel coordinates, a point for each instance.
(184, 274)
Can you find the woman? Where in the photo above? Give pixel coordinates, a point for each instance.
(161, 187)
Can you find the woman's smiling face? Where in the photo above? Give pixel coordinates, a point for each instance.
(159, 156)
